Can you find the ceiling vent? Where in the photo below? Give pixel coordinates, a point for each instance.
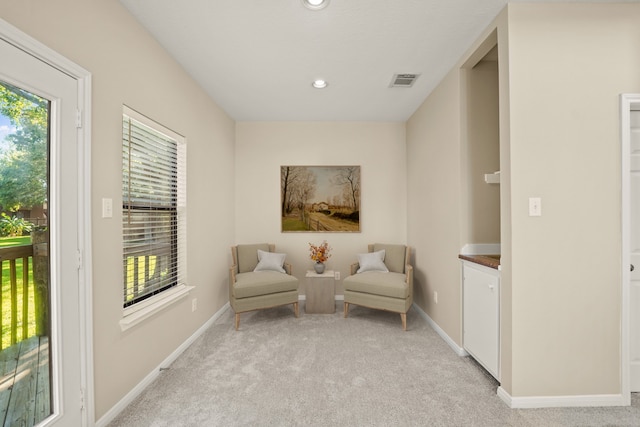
(403, 80)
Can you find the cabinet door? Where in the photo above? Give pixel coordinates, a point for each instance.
(481, 317)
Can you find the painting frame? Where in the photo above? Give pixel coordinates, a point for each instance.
(320, 199)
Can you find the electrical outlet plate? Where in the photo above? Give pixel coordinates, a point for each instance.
(107, 208)
(336, 275)
(435, 297)
(194, 304)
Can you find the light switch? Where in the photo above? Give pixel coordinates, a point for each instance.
(535, 206)
(107, 208)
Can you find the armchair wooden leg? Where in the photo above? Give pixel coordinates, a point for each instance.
(403, 316)
(346, 309)
(296, 309)
(237, 321)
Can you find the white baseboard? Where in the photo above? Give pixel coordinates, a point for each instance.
(456, 348)
(533, 401)
(561, 401)
(112, 413)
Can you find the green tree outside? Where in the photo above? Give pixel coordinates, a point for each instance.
(23, 166)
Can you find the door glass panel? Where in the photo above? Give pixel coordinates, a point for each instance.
(25, 368)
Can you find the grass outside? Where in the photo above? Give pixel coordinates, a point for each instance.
(5, 305)
(131, 279)
(14, 241)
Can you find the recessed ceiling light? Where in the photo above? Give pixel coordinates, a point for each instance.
(315, 4)
(319, 84)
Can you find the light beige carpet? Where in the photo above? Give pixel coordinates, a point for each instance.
(324, 370)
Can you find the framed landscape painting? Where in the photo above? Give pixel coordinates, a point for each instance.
(320, 198)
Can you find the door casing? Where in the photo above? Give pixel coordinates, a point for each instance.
(26, 43)
(627, 102)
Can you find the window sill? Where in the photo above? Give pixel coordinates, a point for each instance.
(131, 316)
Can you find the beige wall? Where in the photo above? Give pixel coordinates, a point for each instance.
(128, 67)
(434, 203)
(378, 148)
(506, 331)
(568, 65)
(562, 68)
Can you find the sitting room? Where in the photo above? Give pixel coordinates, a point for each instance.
(477, 129)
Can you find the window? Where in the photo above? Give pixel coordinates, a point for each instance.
(153, 208)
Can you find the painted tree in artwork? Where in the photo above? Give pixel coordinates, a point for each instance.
(305, 190)
(298, 186)
(23, 164)
(288, 176)
(349, 179)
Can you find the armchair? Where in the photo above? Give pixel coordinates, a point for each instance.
(381, 279)
(259, 278)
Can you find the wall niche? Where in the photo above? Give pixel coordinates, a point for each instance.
(481, 146)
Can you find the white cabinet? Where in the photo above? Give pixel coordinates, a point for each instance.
(481, 315)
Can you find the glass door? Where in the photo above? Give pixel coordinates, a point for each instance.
(40, 378)
(25, 395)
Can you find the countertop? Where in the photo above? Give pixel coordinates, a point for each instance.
(491, 261)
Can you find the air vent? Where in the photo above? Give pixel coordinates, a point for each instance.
(403, 80)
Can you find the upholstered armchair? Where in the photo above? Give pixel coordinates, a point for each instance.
(381, 279)
(259, 278)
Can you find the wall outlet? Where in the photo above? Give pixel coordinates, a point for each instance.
(194, 304)
(336, 275)
(435, 297)
(107, 208)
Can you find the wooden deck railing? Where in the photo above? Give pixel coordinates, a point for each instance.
(144, 271)
(16, 322)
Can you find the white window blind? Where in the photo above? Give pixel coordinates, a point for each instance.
(153, 208)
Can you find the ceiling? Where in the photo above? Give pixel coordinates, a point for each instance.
(258, 58)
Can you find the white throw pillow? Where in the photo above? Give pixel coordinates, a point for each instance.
(270, 261)
(372, 261)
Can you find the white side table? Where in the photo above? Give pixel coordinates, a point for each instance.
(321, 292)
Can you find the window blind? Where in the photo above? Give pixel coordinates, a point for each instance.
(153, 208)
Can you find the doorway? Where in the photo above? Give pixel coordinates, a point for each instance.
(630, 137)
(63, 373)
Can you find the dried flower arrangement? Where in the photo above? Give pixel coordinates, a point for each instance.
(320, 253)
